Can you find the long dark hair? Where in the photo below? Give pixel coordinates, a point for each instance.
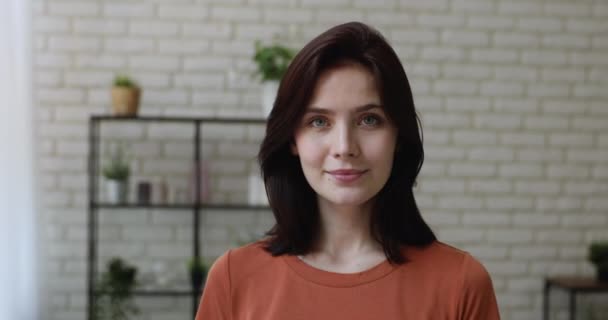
(395, 218)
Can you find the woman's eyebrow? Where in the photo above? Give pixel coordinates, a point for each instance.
(365, 107)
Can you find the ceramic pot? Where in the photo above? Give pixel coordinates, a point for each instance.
(125, 101)
(117, 191)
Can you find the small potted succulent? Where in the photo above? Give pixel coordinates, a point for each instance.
(125, 97)
(598, 255)
(272, 62)
(117, 173)
(197, 269)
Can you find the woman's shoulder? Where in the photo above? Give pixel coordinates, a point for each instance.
(244, 259)
(444, 255)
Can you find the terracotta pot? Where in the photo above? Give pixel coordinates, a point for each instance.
(125, 101)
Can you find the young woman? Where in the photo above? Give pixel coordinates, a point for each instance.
(340, 158)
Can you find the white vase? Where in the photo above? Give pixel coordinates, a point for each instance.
(269, 94)
(117, 191)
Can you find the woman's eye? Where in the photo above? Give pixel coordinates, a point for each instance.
(370, 120)
(318, 122)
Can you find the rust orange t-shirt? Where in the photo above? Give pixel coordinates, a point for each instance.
(437, 282)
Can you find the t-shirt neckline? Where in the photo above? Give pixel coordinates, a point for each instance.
(336, 279)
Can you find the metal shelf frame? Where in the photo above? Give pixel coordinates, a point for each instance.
(95, 122)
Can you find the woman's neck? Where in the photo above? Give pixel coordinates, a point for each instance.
(345, 232)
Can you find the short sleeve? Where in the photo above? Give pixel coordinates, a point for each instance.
(215, 302)
(477, 299)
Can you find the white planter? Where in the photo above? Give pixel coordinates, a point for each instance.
(269, 94)
(116, 191)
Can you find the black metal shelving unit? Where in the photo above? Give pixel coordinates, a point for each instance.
(95, 122)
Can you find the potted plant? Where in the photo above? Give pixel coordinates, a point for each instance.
(125, 96)
(598, 255)
(117, 173)
(198, 272)
(272, 62)
(115, 288)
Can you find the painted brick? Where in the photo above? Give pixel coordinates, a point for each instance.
(511, 104)
(99, 26)
(548, 90)
(466, 71)
(567, 9)
(166, 46)
(258, 31)
(88, 78)
(507, 236)
(486, 219)
(73, 8)
(199, 81)
(491, 154)
(74, 43)
(324, 4)
(562, 203)
(434, 53)
(497, 121)
(566, 41)
(520, 7)
(153, 28)
(128, 45)
(412, 36)
(51, 25)
(183, 11)
(463, 104)
(508, 203)
(471, 170)
(535, 219)
(171, 97)
(203, 31)
(496, 56)
(133, 10)
(52, 60)
(511, 39)
(236, 14)
(465, 38)
(288, 16)
(490, 186)
(571, 139)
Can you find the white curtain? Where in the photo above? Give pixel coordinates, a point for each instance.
(19, 289)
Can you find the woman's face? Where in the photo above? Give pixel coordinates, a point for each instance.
(344, 141)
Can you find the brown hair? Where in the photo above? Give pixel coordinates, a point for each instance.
(395, 219)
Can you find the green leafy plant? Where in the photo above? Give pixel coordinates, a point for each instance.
(124, 81)
(118, 168)
(115, 287)
(272, 60)
(598, 255)
(598, 252)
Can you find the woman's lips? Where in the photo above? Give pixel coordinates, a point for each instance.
(346, 175)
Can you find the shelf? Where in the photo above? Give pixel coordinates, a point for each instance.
(97, 118)
(196, 207)
(160, 293)
(203, 206)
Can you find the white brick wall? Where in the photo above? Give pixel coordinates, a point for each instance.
(512, 95)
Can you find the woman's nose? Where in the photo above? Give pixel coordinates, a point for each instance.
(344, 142)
